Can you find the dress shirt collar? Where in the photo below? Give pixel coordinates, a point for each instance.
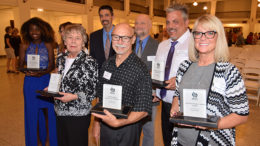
(144, 41)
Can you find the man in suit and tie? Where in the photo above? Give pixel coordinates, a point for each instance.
(100, 40)
(145, 49)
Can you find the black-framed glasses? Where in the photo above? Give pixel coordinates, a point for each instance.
(125, 39)
(207, 34)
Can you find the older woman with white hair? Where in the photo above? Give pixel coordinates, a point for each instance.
(208, 69)
(78, 86)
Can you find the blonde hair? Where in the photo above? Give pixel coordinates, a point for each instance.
(221, 50)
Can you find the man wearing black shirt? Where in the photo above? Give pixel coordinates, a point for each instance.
(128, 71)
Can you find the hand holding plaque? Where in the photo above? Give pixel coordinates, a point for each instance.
(112, 101)
(194, 110)
(53, 88)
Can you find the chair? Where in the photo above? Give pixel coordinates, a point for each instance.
(239, 63)
(251, 75)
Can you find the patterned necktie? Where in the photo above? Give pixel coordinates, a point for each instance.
(139, 53)
(168, 67)
(107, 46)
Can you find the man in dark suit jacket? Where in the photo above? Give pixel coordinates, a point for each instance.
(145, 48)
(98, 39)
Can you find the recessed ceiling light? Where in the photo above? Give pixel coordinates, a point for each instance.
(40, 9)
(195, 3)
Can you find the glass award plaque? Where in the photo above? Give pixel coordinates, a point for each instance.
(209, 121)
(33, 64)
(158, 69)
(112, 101)
(194, 110)
(120, 114)
(33, 61)
(53, 88)
(48, 93)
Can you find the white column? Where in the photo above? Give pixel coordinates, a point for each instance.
(127, 10)
(166, 4)
(23, 12)
(213, 7)
(252, 20)
(151, 8)
(127, 7)
(87, 19)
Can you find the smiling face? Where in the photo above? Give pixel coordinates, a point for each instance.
(106, 18)
(176, 26)
(204, 45)
(142, 25)
(35, 32)
(123, 47)
(74, 42)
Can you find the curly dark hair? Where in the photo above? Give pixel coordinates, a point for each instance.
(47, 33)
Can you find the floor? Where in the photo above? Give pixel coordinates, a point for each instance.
(12, 115)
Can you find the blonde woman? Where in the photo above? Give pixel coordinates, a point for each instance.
(208, 69)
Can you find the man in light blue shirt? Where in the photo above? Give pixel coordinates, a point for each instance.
(145, 48)
(100, 40)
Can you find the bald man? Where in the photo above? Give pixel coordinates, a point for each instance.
(127, 70)
(145, 48)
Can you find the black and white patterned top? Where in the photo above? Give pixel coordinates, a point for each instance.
(81, 79)
(227, 94)
(135, 80)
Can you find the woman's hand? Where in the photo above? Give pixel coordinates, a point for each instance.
(67, 97)
(175, 107)
(45, 89)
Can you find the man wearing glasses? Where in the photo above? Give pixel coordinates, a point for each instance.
(100, 40)
(128, 71)
(172, 52)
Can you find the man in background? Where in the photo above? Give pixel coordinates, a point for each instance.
(145, 48)
(100, 40)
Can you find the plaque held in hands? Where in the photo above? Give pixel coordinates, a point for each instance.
(195, 110)
(54, 86)
(158, 72)
(33, 63)
(112, 101)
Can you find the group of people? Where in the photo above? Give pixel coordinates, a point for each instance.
(238, 39)
(12, 43)
(122, 55)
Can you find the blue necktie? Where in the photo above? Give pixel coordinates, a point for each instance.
(168, 67)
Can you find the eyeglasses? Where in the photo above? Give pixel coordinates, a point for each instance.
(125, 39)
(208, 34)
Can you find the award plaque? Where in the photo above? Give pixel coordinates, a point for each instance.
(210, 121)
(120, 114)
(33, 64)
(158, 69)
(33, 61)
(112, 101)
(194, 103)
(48, 93)
(194, 110)
(53, 88)
(31, 69)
